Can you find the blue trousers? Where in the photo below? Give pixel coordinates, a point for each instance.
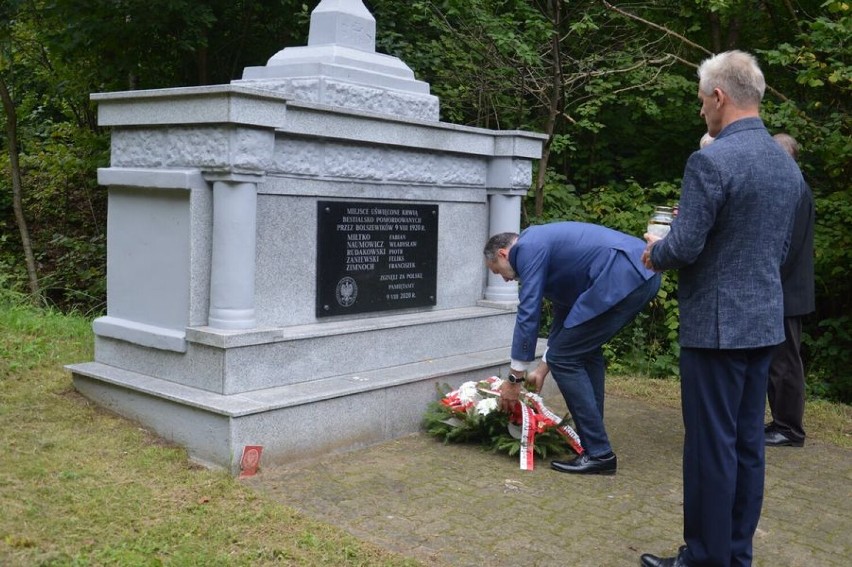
(576, 361)
(723, 394)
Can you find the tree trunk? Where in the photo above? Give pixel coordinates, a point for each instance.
(733, 33)
(552, 111)
(17, 200)
(201, 61)
(716, 32)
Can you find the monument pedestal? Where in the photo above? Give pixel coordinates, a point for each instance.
(292, 411)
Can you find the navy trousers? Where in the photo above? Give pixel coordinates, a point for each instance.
(723, 395)
(576, 361)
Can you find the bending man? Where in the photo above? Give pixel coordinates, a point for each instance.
(597, 284)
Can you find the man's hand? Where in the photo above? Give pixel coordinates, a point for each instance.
(651, 239)
(537, 376)
(509, 394)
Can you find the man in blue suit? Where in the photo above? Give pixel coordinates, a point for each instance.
(737, 203)
(597, 284)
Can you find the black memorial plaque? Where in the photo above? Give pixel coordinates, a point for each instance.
(375, 256)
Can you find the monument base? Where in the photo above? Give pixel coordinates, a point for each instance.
(291, 422)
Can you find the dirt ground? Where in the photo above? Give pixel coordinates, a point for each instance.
(456, 505)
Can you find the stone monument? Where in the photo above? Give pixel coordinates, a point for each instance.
(294, 260)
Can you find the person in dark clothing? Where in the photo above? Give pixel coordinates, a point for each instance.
(786, 389)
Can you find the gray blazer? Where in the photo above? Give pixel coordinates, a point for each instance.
(737, 203)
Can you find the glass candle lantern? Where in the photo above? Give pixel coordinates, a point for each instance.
(661, 221)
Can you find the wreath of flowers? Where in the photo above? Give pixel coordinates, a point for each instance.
(471, 414)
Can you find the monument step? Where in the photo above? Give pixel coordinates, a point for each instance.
(260, 359)
(290, 422)
(256, 401)
(230, 339)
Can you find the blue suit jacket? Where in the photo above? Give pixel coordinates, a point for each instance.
(737, 203)
(584, 269)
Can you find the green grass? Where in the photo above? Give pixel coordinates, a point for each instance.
(79, 486)
(825, 421)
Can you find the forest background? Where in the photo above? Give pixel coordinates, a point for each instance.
(612, 85)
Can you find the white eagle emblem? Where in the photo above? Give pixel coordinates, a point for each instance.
(347, 291)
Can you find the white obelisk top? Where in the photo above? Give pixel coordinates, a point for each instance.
(345, 23)
(340, 67)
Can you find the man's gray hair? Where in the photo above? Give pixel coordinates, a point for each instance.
(735, 73)
(498, 241)
(789, 143)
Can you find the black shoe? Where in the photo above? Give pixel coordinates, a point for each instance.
(585, 464)
(648, 560)
(775, 438)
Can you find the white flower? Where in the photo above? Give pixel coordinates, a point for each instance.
(468, 393)
(486, 406)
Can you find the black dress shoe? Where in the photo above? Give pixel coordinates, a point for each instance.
(775, 438)
(649, 560)
(584, 464)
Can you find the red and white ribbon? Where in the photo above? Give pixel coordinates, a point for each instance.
(528, 430)
(533, 415)
(554, 420)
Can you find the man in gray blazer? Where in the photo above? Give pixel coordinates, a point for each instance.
(737, 203)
